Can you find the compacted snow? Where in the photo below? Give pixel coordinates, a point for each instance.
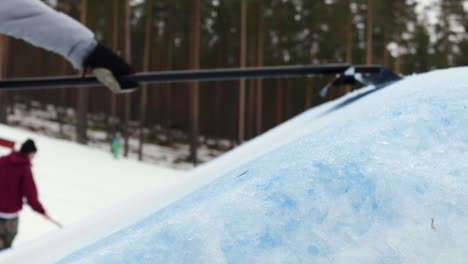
(383, 179)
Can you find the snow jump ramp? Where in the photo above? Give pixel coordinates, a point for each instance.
(382, 179)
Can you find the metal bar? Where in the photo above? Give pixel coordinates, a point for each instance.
(187, 75)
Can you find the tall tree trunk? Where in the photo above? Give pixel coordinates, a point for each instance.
(279, 91)
(253, 62)
(243, 63)
(168, 86)
(370, 28)
(446, 33)
(260, 56)
(12, 57)
(39, 70)
(386, 57)
(83, 93)
(154, 93)
(349, 32)
(349, 39)
(112, 118)
(3, 71)
(128, 57)
(218, 99)
(289, 99)
(146, 67)
(29, 72)
(310, 85)
(62, 108)
(399, 6)
(309, 101)
(386, 32)
(279, 100)
(194, 86)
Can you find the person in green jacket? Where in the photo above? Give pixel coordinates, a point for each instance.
(116, 145)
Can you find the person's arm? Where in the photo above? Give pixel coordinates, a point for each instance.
(42, 26)
(30, 192)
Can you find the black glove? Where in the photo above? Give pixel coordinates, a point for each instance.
(108, 67)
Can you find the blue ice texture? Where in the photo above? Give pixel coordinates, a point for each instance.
(384, 181)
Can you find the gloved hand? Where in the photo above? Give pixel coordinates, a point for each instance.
(108, 67)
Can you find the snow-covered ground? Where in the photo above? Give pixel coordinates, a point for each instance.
(383, 179)
(76, 182)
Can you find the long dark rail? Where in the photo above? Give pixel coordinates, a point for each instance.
(188, 75)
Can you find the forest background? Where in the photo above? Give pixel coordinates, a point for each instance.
(406, 36)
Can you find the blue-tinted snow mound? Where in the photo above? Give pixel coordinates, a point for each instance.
(362, 189)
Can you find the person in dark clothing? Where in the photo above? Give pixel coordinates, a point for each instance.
(17, 185)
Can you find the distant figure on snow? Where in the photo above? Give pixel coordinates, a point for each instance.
(116, 145)
(17, 184)
(42, 26)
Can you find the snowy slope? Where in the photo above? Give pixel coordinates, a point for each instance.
(76, 182)
(381, 180)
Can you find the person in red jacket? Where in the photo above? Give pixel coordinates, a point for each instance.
(17, 185)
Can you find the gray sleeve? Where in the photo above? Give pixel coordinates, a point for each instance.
(42, 26)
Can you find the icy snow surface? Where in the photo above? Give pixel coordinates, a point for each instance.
(381, 180)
